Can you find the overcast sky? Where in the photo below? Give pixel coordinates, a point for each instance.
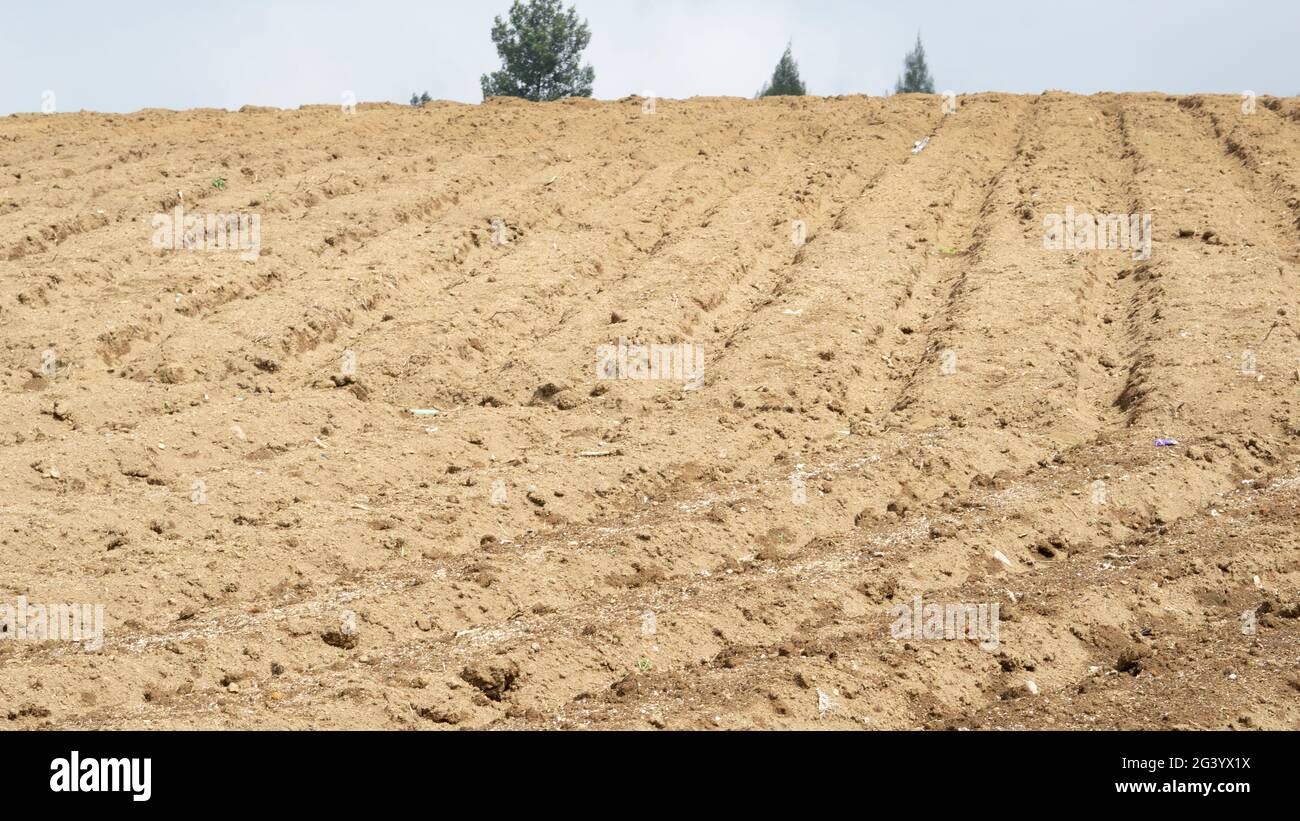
(126, 55)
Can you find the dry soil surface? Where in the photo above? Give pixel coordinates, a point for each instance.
(917, 401)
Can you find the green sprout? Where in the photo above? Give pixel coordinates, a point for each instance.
(219, 183)
(645, 664)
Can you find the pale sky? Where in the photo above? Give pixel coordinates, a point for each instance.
(127, 55)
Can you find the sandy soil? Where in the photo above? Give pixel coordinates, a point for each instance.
(918, 401)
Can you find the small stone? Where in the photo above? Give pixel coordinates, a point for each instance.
(340, 638)
(492, 678)
(824, 704)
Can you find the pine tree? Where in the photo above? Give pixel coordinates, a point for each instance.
(785, 80)
(418, 100)
(541, 53)
(916, 77)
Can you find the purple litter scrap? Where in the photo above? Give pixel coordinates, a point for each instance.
(1166, 443)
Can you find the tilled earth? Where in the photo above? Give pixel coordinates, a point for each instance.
(918, 400)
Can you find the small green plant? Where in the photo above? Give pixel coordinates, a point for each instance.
(645, 664)
(219, 183)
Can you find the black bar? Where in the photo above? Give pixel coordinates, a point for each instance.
(334, 770)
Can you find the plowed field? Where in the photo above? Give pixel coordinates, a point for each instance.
(905, 394)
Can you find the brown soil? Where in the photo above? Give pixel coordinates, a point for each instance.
(673, 580)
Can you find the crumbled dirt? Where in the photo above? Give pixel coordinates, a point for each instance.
(919, 401)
